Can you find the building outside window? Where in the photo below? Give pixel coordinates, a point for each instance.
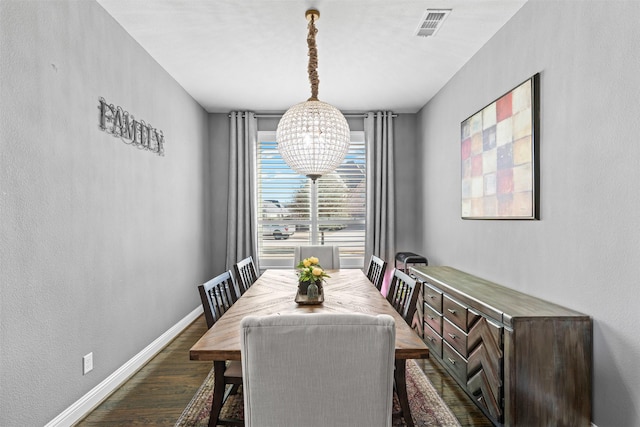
(293, 211)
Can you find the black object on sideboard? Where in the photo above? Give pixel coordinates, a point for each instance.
(523, 360)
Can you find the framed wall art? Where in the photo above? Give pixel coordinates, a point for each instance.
(498, 155)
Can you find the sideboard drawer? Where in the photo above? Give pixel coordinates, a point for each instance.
(455, 364)
(433, 340)
(455, 312)
(433, 318)
(433, 297)
(455, 336)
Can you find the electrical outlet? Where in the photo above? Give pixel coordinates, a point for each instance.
(87, 363)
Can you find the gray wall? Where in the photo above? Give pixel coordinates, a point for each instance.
(408, 185)
(584, 251)
(102, 244)
(219, 188)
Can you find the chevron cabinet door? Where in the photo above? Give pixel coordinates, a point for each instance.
(484, 366)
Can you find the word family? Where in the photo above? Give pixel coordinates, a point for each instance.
(119, 123)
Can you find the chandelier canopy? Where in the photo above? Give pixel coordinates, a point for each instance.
(313, 137)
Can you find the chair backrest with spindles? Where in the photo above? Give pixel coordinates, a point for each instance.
(375, 271)
(217, 296)
(246, 273)
(403, 295)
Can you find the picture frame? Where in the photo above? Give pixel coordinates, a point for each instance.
(499, 157)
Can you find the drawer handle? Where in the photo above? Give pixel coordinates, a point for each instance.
(432, 339)
(454, 336)
(450, 310)
(430, 317)
(431, 296)
(453, 362)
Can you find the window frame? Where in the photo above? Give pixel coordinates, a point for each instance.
(358, 247)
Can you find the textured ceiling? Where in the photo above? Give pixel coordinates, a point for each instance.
(252, 54)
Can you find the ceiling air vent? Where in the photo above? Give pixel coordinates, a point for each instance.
(432, 21)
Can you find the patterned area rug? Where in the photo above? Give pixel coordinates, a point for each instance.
(427, 407)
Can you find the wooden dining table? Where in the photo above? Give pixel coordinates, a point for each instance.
(345, 291)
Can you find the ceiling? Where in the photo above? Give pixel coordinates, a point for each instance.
(252, 54)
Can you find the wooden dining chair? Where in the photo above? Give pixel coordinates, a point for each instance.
(217, 296)
(340, 374)
(375, 271)
(246, 273)
(328, 256)
(403, 295)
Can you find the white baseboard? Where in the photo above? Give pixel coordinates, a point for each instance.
(96, 395)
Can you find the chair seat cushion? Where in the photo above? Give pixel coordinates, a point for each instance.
(234, 369)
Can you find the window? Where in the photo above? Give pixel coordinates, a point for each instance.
(292, 211)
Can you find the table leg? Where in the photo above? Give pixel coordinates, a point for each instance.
(218, 391)
(400, 374)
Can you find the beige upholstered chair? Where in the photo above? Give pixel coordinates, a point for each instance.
(329, 256)
(317, 370)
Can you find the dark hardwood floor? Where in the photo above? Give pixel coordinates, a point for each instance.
(157, 394)
(460, 404)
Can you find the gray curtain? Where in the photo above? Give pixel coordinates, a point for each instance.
(241, 221)
(380, 239)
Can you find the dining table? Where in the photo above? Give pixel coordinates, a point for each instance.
(275, 292)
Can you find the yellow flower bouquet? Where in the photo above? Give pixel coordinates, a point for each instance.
(310, 271)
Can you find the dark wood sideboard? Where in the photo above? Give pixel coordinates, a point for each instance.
(524, 361)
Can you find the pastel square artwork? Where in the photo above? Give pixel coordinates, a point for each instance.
(505, 204)
(490, 184)
(521, 97)
(466, 189)
(522, 179)
(466, 168)
(490, 206)
(476, 143)
(489, 138)
(476, 165)
(465, 130)
(489, 161)
(505, 156)
(497, 157)
(522, 151)
(476, 123)
(465, 149)
(503, 107)
(477, 207)
(504, 180)
(466, 207)
(489, 116)
(522, 203)
(522, 124)
(477, 187)
(504, 132)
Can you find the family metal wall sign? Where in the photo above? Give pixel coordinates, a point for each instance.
(120, 124)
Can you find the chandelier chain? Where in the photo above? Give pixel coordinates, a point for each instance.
(313, 59)
(313, 137)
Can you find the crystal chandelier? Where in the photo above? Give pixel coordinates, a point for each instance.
(313, 136)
